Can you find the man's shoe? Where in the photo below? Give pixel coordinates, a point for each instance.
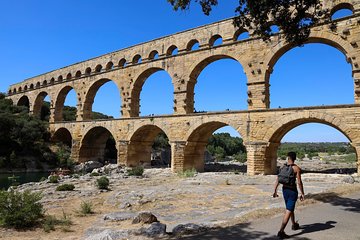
(295, 226)
(282, 235)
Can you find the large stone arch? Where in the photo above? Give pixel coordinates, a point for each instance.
(326, 38)
(93, 143)
(59, 102)
(90, 96)
(330, 39)
(24, 101)
(62, 135)
(140, 144)
(195, 70)
(137, 87)
(38, 103)
(197, 140)
(281, 127)
(338, 5)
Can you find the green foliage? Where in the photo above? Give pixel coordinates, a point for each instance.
(312, 154)
(136, 171)
(21, 135)
(206, 5)
(294, 18)
(65, 187)
(223, 144)
(240, 157)
(97, 115)
(63, 157)
(161, 141)
(102, 182)
(42, 179)
(20, 209)
(313, 149)
(348, 158)
(24, 136)
(94, 174)
(188, 173)
(14, 180)
(86, 208)
(69, 113)
(50, 222)
(54, 179)
(219, 153)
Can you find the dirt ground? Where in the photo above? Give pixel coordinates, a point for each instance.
(210, 199)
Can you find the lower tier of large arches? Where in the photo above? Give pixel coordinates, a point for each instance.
(261, 131)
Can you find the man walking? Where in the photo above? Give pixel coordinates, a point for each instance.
(287, 176)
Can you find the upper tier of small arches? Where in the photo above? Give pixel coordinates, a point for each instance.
(214, 40)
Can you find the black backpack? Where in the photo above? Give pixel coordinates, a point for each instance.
(286, 175)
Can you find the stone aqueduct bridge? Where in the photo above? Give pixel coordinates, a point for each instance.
(261, 128)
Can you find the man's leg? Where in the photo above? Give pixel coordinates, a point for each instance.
(285, 220)
(293, 218)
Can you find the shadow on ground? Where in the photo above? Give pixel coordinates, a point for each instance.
(315, 227)
(244, 231)
(332, 171)
(240, 231)
(221, 167)
(348, 204)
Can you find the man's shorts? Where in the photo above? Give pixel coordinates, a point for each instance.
(290, 197)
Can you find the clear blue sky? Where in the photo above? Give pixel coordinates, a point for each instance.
(39, 36)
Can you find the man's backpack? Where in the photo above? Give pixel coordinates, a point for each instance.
(286, 175)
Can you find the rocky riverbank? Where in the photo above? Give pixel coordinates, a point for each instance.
(181, 205)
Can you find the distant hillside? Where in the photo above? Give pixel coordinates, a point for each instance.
(312, 149)
(69, 113)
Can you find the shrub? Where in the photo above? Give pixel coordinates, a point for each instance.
(20, 209)
(42, 179)
(94, 174)
(50, 222)
(14, 180)
(240, 157)
(54, 179)
(136, 171)
(188, 173)
(86, 208)
(65, 187)
(103, 183)
(63, 156)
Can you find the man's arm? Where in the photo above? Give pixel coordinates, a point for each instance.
(276, 187)
(300, 184)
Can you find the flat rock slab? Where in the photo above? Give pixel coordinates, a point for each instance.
(119, 216)
(106, 234)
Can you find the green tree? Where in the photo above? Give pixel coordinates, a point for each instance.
(161, 141)
(21, 134)
(293, 17)
(313, 149)
(25, 137)
(20, 209)
(221, 145)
